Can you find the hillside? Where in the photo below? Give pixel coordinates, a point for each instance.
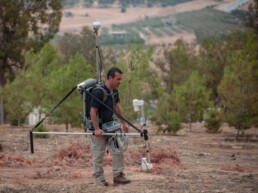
(165, 19)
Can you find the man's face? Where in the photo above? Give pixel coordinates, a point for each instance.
(116, 81)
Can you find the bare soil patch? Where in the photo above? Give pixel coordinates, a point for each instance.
(192, 161)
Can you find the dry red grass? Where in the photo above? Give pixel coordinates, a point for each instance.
(237, 168)
(193, 160)
(73, 154)
(15, 160)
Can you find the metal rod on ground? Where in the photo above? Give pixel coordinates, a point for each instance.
(75, 133)
(90, 133)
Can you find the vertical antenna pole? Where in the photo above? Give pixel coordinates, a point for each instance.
(145, 132)
(97, 60)
(96, 25)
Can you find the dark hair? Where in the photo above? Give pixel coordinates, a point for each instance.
(111, 72)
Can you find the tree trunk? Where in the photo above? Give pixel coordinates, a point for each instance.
(189, 121)
(190, 125)
(66, 126)
(240, 133)
(1, 98)
(1, 111)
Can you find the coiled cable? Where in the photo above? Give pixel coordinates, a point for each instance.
(118, 143)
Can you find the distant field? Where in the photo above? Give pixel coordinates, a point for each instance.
(201, 23)
(190, 20)
(208, 22)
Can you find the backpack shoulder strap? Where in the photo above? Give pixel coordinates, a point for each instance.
(100, 87)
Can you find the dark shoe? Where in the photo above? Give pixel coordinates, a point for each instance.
(121, 179)
(102, 183)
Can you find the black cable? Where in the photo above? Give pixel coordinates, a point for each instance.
(67, 95)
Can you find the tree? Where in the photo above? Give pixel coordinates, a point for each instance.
(177, 64)
(43, 84)
(23, 25)
(137, 78)
(192, 98)
(59, 83)
(212, 119)
(167, 116)
(16, 101)
(252, 20)
(83, 43)
(239, 84)
(41, 65)
(28, 90)
(212, 61)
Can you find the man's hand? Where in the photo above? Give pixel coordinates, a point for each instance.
(125, 128)
(98, 132)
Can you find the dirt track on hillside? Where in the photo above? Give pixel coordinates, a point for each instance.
(193, 161)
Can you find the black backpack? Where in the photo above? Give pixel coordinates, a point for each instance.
(88, 97)
(87, 102)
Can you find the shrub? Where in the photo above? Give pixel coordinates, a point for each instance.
(212, 120)
(173, 123)
(68, 14)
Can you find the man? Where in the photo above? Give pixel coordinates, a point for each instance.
(100, 114)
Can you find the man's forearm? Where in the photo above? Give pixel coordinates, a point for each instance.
(95, 122)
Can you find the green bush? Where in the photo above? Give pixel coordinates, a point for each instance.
(68, 14)
(174, 120)
(212, 120)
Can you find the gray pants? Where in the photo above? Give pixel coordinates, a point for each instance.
(98, 147)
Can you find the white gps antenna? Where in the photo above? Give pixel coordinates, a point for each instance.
(96, 25)
(138, 105)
